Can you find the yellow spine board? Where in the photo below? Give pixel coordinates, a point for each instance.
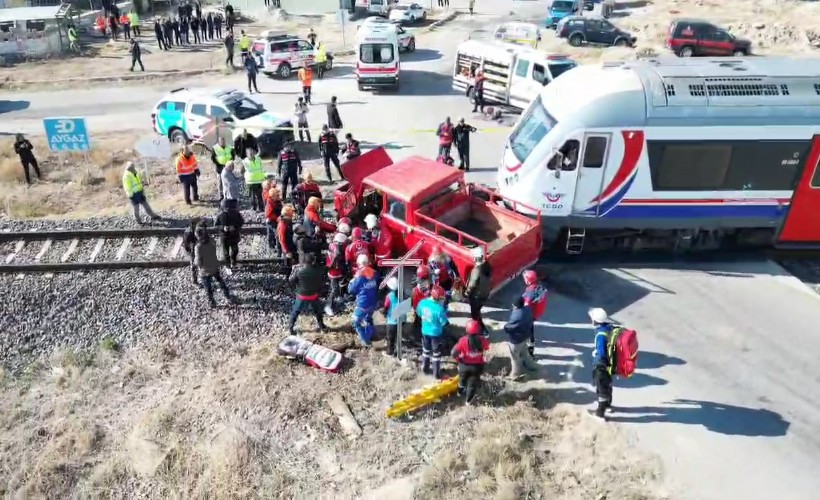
(423, 397)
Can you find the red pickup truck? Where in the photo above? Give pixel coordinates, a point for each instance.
(424, 200)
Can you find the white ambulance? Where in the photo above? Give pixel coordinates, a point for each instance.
(377, 56)
(514, 75)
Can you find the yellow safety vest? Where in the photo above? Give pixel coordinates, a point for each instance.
(253, 171)
(134, 18)
(244, 42)
(72, 35)
(321, 54)
(223, 154)
(131, 183)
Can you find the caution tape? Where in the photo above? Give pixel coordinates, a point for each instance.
(491, 130)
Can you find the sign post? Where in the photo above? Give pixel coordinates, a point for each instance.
(68, 135)
(404, 305)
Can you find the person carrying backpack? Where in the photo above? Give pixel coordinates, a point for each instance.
(616, 353)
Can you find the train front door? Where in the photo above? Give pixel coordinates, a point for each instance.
(802, 224)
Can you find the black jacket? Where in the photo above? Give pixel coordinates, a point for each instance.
(242, 143)
(308, 280)
(462, 134)
(333, 118)
(305, 243)
(189, 240)
(24, 149)
(290, 160)
(478, 286)
(329, 143)
(230, 223)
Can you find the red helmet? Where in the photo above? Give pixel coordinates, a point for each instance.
(437, 293)
(530, 277)
(423, 272)
(473, 327)
(346, 220)
(356, 234)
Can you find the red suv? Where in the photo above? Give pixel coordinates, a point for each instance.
(691, 37)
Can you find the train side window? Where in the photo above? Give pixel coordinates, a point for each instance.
(688, 166)
(595, 151)
(566, 157)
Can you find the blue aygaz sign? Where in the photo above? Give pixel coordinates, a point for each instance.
(67, 134)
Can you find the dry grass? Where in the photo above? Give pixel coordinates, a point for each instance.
(151, 424)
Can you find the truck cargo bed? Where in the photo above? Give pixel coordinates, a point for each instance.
(477, 229)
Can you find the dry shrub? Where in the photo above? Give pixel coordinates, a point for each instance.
(10, 169)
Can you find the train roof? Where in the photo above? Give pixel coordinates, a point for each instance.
(691, 91)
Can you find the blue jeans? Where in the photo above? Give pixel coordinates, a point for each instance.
(300, 306)
(363, 324)
(273, 238)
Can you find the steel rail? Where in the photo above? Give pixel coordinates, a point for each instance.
(83, 234)
(56, 267)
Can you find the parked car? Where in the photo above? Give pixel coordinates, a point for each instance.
(692, 37)
(579, 30)
(408, 13)
(280, 54)
(560, 9)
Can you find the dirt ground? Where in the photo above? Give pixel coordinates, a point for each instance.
(72, 188)
(775, 27)
(152, 423)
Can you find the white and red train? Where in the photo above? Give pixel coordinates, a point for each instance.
(684, 153)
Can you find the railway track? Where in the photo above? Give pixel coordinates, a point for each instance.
(111, 249)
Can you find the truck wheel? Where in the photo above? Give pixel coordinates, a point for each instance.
(576, 40)
(412, 45)
(361, 88)
(284, 70)
(470, 96)
(178, 137)
(739, 53)
(329, 64)
(621, 42)
(687, 51)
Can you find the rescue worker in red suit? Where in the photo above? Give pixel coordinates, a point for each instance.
(380, 240)
(345, 226)
(273, 208)
(420, 291)
(284, 231)
(535, 297)
(442, 269)
(469, 353)
(305, 190)
(313, 221)
(356, 247)
(336, 270)
(446, 136)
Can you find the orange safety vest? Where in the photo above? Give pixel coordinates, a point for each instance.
(186, 166)
(306, 77)
(124, 19)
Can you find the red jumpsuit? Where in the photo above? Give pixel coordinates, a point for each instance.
(313, 218)
(382, 242)
(353, 250)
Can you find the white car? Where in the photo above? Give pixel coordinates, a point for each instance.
(408, 13)
(282, 54)
(186, 115)
(407, 40)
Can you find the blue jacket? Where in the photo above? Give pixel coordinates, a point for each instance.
(519, 325)
(365, 286)
(250, 66)
(601, 354)
(433, 316)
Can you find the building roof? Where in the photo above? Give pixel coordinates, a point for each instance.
(413, 177)
(28, 13)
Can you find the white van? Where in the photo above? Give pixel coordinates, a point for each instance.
(377, 56)
(379, 7)
(520, 33)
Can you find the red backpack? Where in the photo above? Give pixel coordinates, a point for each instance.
(623, 351)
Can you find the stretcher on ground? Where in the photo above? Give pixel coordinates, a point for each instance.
(311, 354)
(424, 397)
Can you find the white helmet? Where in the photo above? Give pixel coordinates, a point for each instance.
(598, 315)
(362, 260)
(478, 253)
(371, 220)
(344, 229)
(393, 283)
(339, 238)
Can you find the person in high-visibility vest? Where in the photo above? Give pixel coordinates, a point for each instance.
(244, 45)
(306, 77)
(221, 155)
(135, 191)
(254, 177)
(321, 59)
(188, 171)
(134, 19)
(73, 39)
(125, 22)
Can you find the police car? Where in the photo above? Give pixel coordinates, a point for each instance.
(186, 115)
(280, 54)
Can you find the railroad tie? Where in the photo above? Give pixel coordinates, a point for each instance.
(176, 249)
(71, 248)
(152, 245)
(43, 250)
(97, 249)
(123, 248)
(17, 247)
(255, 246)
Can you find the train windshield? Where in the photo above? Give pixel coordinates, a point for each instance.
(531, 130)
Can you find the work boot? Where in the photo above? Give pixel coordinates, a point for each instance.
(437, 370)
(601, 410)
(425, 366)
(329, 310)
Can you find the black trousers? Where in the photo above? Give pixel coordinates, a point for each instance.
(257, 202)
(475, 311)
(190, 188)
(32, 161)
(208, 281)
(229, 59)
(136, 29)
(218, 29)
(603, 388)
(479, 102)
(194, 268)
(289, 177)
(320, 70)
(252, 82)
(469, 380)
(300, 306)
(230, 250)
(392, 338)
(136, 60)
(196, 35)
(161, 42)
(335, 292)
(464, 156)
(306, 92)
(332, 158)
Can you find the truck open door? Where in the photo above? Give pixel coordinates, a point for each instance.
(355, 171)
(801, 227)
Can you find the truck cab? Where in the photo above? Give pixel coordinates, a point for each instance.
(421, 200)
